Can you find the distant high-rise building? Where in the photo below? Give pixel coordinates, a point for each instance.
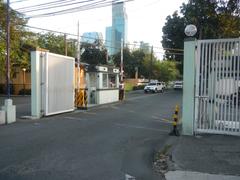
(119, 25)
(108, 40)
(118, 29)
(145, 47)
(92, 38)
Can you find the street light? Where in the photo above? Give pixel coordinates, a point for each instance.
(24, 70)
(190, 30)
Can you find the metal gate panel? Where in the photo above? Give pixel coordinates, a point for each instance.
(217, 101)
(59, 84)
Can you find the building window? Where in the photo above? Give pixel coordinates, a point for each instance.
(105, 81)
(112, 81)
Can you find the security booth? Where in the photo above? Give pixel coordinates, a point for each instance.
(102, 84)
(81, 89)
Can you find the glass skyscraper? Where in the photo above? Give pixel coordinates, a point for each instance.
(108, 42)
(92, 37)
(118, 30)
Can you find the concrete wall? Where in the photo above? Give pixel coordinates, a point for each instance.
(107, 96)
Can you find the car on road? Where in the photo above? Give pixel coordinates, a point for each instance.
(178, 85)
(154, 87)
(164, 85)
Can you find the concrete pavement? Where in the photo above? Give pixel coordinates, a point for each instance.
(206, 157)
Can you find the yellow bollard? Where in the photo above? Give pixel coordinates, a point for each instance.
(175, 122)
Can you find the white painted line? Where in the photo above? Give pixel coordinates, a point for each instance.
(91, 113)
(129, 177)
(131, 111)
(114, 107)
(74, 118)
(140, 127)
(163, 120)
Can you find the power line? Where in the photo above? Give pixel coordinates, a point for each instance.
(59, 32)
(79, 8)
(44, 4)
(63, 4)
(19, 1)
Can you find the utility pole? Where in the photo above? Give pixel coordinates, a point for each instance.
(121, 64)
(151, 64)
(65, 44)
(78, 59)
(8, 51)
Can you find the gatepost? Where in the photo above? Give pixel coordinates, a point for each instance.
(188, 86)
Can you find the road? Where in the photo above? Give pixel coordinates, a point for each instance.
(103, 143)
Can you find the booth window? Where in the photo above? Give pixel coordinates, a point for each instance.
(105, 81)
(112, 81)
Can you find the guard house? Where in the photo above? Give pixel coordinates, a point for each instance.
(102, 84)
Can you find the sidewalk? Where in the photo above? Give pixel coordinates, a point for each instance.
(206, 157)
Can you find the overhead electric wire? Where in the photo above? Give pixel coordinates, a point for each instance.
(45, 4)
(59, 32)
(56, 5)
(19, 1)
(79, 8)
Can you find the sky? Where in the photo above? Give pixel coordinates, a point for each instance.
(146, 19)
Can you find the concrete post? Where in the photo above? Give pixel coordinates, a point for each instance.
(2, 117)
(188, 86)
(35, 85)
(10, 111)
(38, 58)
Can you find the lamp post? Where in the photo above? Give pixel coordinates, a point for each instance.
(24, 80)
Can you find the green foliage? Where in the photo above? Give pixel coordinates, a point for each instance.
(140, 87)
(128, 87)
(173, 35)
(94, 56)
(129, 63)
(202, 14)
(148, 67)
(229, 19)
(214, 19)
(18, 55)
(56, 43)
(167, 70)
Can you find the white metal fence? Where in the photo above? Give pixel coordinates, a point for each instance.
(217, 100)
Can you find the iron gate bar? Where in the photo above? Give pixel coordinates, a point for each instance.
(217, 86)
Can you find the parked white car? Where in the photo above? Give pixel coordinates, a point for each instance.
(178, 85)
(164, 85)
(154, 87)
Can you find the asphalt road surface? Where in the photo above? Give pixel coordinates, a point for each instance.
(103, 143)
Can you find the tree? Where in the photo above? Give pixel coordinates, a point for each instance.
(138, 57)
(173, 35)
(214, 19)
(56, 43)
(229, 19)
(202, 13)
(128, 62)
(94, 56)
(18, 55)
(167, 71)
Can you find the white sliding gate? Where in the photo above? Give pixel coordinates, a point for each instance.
(52, 83)
(217, 92)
